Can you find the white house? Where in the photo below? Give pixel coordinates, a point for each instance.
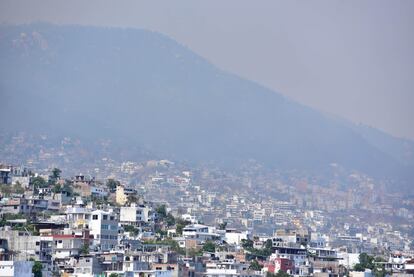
(233, 236)
(16, 268)
(200, 232)
(103, 226)
(190, 218)
(134, 214)
(78, 216)
(66, 245)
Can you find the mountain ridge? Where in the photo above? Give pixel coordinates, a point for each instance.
(146, 89)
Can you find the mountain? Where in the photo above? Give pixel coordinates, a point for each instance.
(400, 149)
(141, 88)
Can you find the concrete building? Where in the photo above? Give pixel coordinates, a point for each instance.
(5, 174)
(16, 268)
(190, 218)
(134, 214)
(290, 238)
(22, 243)
(233, 236)
(85, 266)
(78, 216)
(103, 226)
(297, 255)
(82, 185)
(22, 180)
(99, 191)
(14, 206)
(67, 245)
(366, 273)
(276, 264)
(224, 268)
(148, 273)
(122, 193)
(39, 205)
(200, 232)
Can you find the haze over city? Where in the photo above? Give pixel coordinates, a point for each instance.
(206, 138)
(353, 59)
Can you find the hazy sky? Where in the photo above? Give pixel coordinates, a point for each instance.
(350, 58)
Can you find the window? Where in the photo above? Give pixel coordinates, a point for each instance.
(37, 242)
(112, 218)
(95, 217)
(105, 217)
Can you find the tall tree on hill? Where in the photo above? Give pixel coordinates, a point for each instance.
(112, 184)
(56, 173)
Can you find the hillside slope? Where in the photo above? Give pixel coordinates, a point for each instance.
(142, 88)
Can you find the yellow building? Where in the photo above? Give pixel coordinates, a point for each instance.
(121, 197)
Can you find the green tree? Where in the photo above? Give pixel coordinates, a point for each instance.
(193, 252)
(27, 227)
(6, 217)
(365, 262)
(254, 253)
(67, 187)
(268, 248)
(56, 173)
(281, 273)
(180, 224)
(112, 184)
(380, 272)
(99, 201)
(6, 189)
(84, 249)
(38, 182)
(132, 198)
(179, 229)
(359, 267)
(223, 226)
(379, 267)
(113, 274)
(37, 269)
(209, 246)
(254, 265)
(131, 229)
(161, 233)
(18, 188)
(161, 211)
(170, 220)
(57, 188)
(247, 244)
